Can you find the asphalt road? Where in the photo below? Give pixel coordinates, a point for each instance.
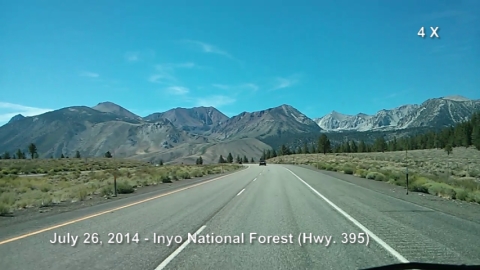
(280, 201)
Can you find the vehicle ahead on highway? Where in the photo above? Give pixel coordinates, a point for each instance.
(263, 163)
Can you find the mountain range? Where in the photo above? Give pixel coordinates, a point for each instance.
(183, 134)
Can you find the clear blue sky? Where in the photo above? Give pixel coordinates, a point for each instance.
(318, 56)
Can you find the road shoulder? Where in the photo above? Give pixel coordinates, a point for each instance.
(461, 209)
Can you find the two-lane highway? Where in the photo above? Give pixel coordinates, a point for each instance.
(273, 217)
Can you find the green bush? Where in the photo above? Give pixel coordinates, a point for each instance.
(107, 190)
(329, 167)
(165, 179)
(474, 173)
(4, 209)
(348, 170)
(82, 193)
(419, 184)
(376, 176)
(461, 194)
(174, 176)
(185, 175)
(198, 173)
(443, 190)
(123, 187)
(361, 172)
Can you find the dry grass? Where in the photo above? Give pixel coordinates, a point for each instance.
(455, 176)
(72, 180)
(41, 166)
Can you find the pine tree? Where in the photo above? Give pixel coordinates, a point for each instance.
(380, 144)
(475, 123)
(221, 159)
(305, 148)
(284, 150)
(354, 147)
(20, 154)
(32, 149)
(274, 153)
(230, 158)
(362, 147)
(338, 148)
(245, 159)
(77, 154)
(448, 149)
(252, 160)
(348, 149)
(268, 154)
(392, 145)
(62, 156)
(313, 150)
(107, 155)
(323, 144)
(6, 155)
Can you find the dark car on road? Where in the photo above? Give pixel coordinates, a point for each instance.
(263, 163)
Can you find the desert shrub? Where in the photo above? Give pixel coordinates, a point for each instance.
(185, 175)
(124, 187)
(107, 190)
(348, 170)
(4, 209)
(474, 173)
(81, 193)
(461, 194)
(442, 189)
(361, 173)
(328, 167)
(419, 184)
(8, 198)
(165, 178)
(376, 176)
(173, 176)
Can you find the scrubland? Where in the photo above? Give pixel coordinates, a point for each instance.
(455, 176)
(46, 182)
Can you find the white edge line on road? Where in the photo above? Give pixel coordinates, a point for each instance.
(178, 250)
(241, 192)
(254, 179)
(354, 221)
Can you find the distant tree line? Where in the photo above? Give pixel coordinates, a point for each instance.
(238, 159)
(19, 154)
(33, 153)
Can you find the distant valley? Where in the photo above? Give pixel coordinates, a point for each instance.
(184, 134)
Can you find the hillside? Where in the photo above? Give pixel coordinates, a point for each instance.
(210, 152)
(91, 132)
(196, 119)
(281, 121)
